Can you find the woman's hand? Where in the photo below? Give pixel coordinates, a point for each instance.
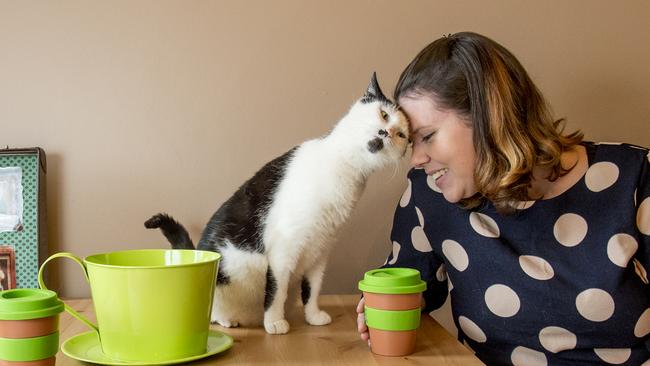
(361, 322)
(362, 328)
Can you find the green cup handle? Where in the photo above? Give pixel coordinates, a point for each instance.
(70, 310)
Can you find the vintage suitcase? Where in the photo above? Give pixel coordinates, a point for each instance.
(23, 227)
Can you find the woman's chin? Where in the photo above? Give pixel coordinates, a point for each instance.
(451, 197)
(455, 196)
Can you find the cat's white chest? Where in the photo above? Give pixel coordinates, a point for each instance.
(315, 197)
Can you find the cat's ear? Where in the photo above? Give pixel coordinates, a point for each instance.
(373, 93)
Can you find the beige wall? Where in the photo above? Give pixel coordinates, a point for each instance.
(145, 106)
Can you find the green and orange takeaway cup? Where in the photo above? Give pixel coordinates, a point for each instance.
(392, 310)
(29, 327)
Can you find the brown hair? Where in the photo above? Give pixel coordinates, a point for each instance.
(513, 129)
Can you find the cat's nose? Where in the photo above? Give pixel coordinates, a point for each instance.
(383, 133)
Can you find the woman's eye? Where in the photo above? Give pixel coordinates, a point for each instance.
(384, 115)
(427, 137)
(400, 134)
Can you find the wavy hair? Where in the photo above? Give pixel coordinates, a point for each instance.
(513, 128)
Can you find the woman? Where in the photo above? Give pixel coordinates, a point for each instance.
(540, 239)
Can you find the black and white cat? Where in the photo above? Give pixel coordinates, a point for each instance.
(275, 232)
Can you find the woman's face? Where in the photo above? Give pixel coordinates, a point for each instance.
(442, 145)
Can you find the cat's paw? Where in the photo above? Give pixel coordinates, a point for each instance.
(277, 327)
(318, 318)
(225, 323)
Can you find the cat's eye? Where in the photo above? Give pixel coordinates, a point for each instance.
(384, 115)
(400, 134)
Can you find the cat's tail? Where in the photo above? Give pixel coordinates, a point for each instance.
(173, 231)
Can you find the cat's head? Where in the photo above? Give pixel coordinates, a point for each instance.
(377, 126)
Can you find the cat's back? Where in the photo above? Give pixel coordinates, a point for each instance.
(239, 219)
(318, 169)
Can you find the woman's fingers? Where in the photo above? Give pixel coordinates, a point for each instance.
(361, 322)
(361, 304)
(363, 330)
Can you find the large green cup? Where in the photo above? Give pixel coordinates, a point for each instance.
(151, 305)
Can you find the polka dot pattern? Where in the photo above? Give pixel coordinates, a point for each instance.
(471, 329)
(418, 237)
(455, 254)
(614, 356)
(595, 304)
(556, 339)
(25, 242)
(396, 248)
(484, 225)
(406, 196)
(601, 176)
(420, 217)
(639, 147)
(570, 229)
(420, 240)
(620, 248)
(502, 300)
(536, 267)
(441, 273)
(524, 205)
(522, 356)
(642, 326)
(643, 216)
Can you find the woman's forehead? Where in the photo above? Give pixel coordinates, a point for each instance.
(422, 112)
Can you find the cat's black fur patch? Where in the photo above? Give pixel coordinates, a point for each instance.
(374, 93)
(222, 278)
(375, 145)
(270, 289)
(305, 290)
(240, 219)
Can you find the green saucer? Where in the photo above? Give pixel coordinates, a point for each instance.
(85, 347)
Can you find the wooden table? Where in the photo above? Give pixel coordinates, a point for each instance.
(335, 344)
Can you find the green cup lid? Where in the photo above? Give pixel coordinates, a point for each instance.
(392, 281)
(29, 303)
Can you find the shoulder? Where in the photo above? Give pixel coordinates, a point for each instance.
(604, 151)
(620, 159)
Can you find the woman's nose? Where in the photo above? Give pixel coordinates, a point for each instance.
(418, 156)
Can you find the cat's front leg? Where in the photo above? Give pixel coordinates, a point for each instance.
(310, 289)
(277, 284)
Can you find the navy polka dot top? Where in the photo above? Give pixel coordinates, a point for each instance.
(561, 281)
